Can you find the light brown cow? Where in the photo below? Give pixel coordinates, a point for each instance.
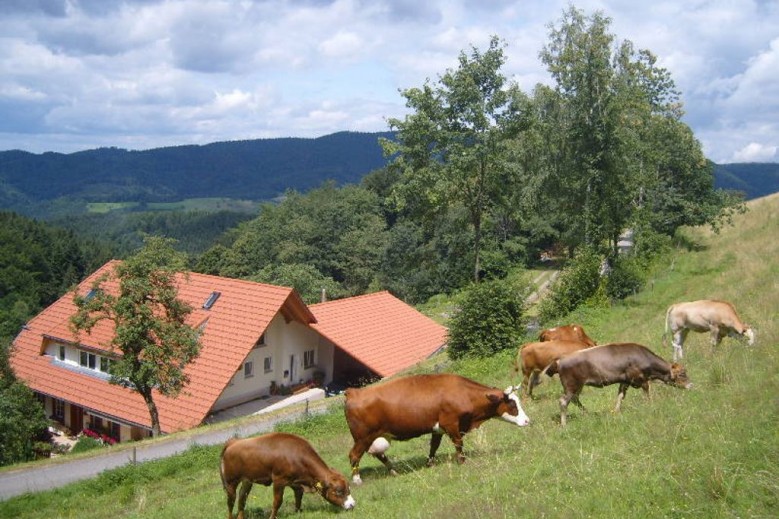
(626, 364)
(536, 358)
(415, 405)
(282, 460)
(568, 332)
(706, 315)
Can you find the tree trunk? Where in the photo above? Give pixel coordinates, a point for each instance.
(153, 413)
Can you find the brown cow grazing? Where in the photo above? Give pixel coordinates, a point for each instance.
(540, 357)
(411, 406)
(568, 332)
(626, 364)
(717, 317)
(281, 460)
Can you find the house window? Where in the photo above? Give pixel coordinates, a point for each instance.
(267, 364)
(88, 360)
(62, 353)
(248, 370)
(308, 359)
(105, 364)
(260, 342)
(58, 409)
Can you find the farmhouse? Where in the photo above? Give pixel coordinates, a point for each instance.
(256, 339)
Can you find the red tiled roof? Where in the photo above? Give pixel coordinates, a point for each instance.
(235, 322)
(379, 330)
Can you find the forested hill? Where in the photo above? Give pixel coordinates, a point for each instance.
(259, 169)
(253, 169)
(755, 179)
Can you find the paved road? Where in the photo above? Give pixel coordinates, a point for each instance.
(54, 474)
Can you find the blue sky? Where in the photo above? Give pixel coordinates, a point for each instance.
(140, 74)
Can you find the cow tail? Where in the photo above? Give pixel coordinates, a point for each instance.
(222, 462)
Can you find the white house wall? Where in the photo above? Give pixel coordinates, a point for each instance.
(282, 339)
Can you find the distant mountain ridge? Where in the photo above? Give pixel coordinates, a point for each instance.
(259, 169)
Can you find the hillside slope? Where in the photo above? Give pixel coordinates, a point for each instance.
(709, 452)
(258, 169)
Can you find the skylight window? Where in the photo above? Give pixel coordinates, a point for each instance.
(211, 300)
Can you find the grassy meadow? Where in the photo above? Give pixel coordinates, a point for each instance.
(712, 451)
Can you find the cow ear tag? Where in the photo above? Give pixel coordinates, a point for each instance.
(318, 486)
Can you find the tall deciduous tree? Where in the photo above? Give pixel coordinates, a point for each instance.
(624, 144)
(453, 148)
(152, 342)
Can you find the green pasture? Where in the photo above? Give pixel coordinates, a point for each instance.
(189, 204)
(709, 452)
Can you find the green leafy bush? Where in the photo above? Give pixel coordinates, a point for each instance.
(626, 277)
(489, 320)
(578, 282)
(85, 443)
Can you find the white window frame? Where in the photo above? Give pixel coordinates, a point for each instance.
(309, 359)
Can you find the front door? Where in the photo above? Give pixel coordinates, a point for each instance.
(293, 372)
(76, 419)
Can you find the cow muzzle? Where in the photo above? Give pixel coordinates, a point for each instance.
(349, 503)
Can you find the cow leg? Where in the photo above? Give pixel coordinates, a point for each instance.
(678, 341)
(435, 442)
(716, 336)
(359, 448)
(230, 490)
(623, 388)
(298, 498)
(246, 487)
(387, 463)
(564, 400)
(278, 498)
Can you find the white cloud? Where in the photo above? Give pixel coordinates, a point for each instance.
(142, 73)
(755, 152)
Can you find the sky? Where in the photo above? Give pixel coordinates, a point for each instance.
(142, 74)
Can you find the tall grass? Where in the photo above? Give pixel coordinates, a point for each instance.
(709, 452)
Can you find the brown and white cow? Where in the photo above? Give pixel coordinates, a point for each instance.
(282, 460)
(412, 406)
(706, 315)
(626, 364)
(540, 357)
(568, 332)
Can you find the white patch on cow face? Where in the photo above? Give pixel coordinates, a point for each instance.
(521, 419)
(349, 503)
(357, 480)
(437, 428)
(750, 335)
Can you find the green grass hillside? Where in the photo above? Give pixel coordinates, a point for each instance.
(709, 452)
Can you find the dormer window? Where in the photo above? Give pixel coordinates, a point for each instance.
(92, 293)
(211, 300)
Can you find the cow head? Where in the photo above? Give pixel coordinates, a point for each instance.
(679, 376)
(335, 489)
(509, 407)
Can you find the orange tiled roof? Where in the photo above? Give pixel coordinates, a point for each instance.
(379, 330)
(235, 322)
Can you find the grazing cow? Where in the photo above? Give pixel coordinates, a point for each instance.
(283, 460)
(540, 357)
(717, 317)
(626, 364)
(568, 332)
(411, 406)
